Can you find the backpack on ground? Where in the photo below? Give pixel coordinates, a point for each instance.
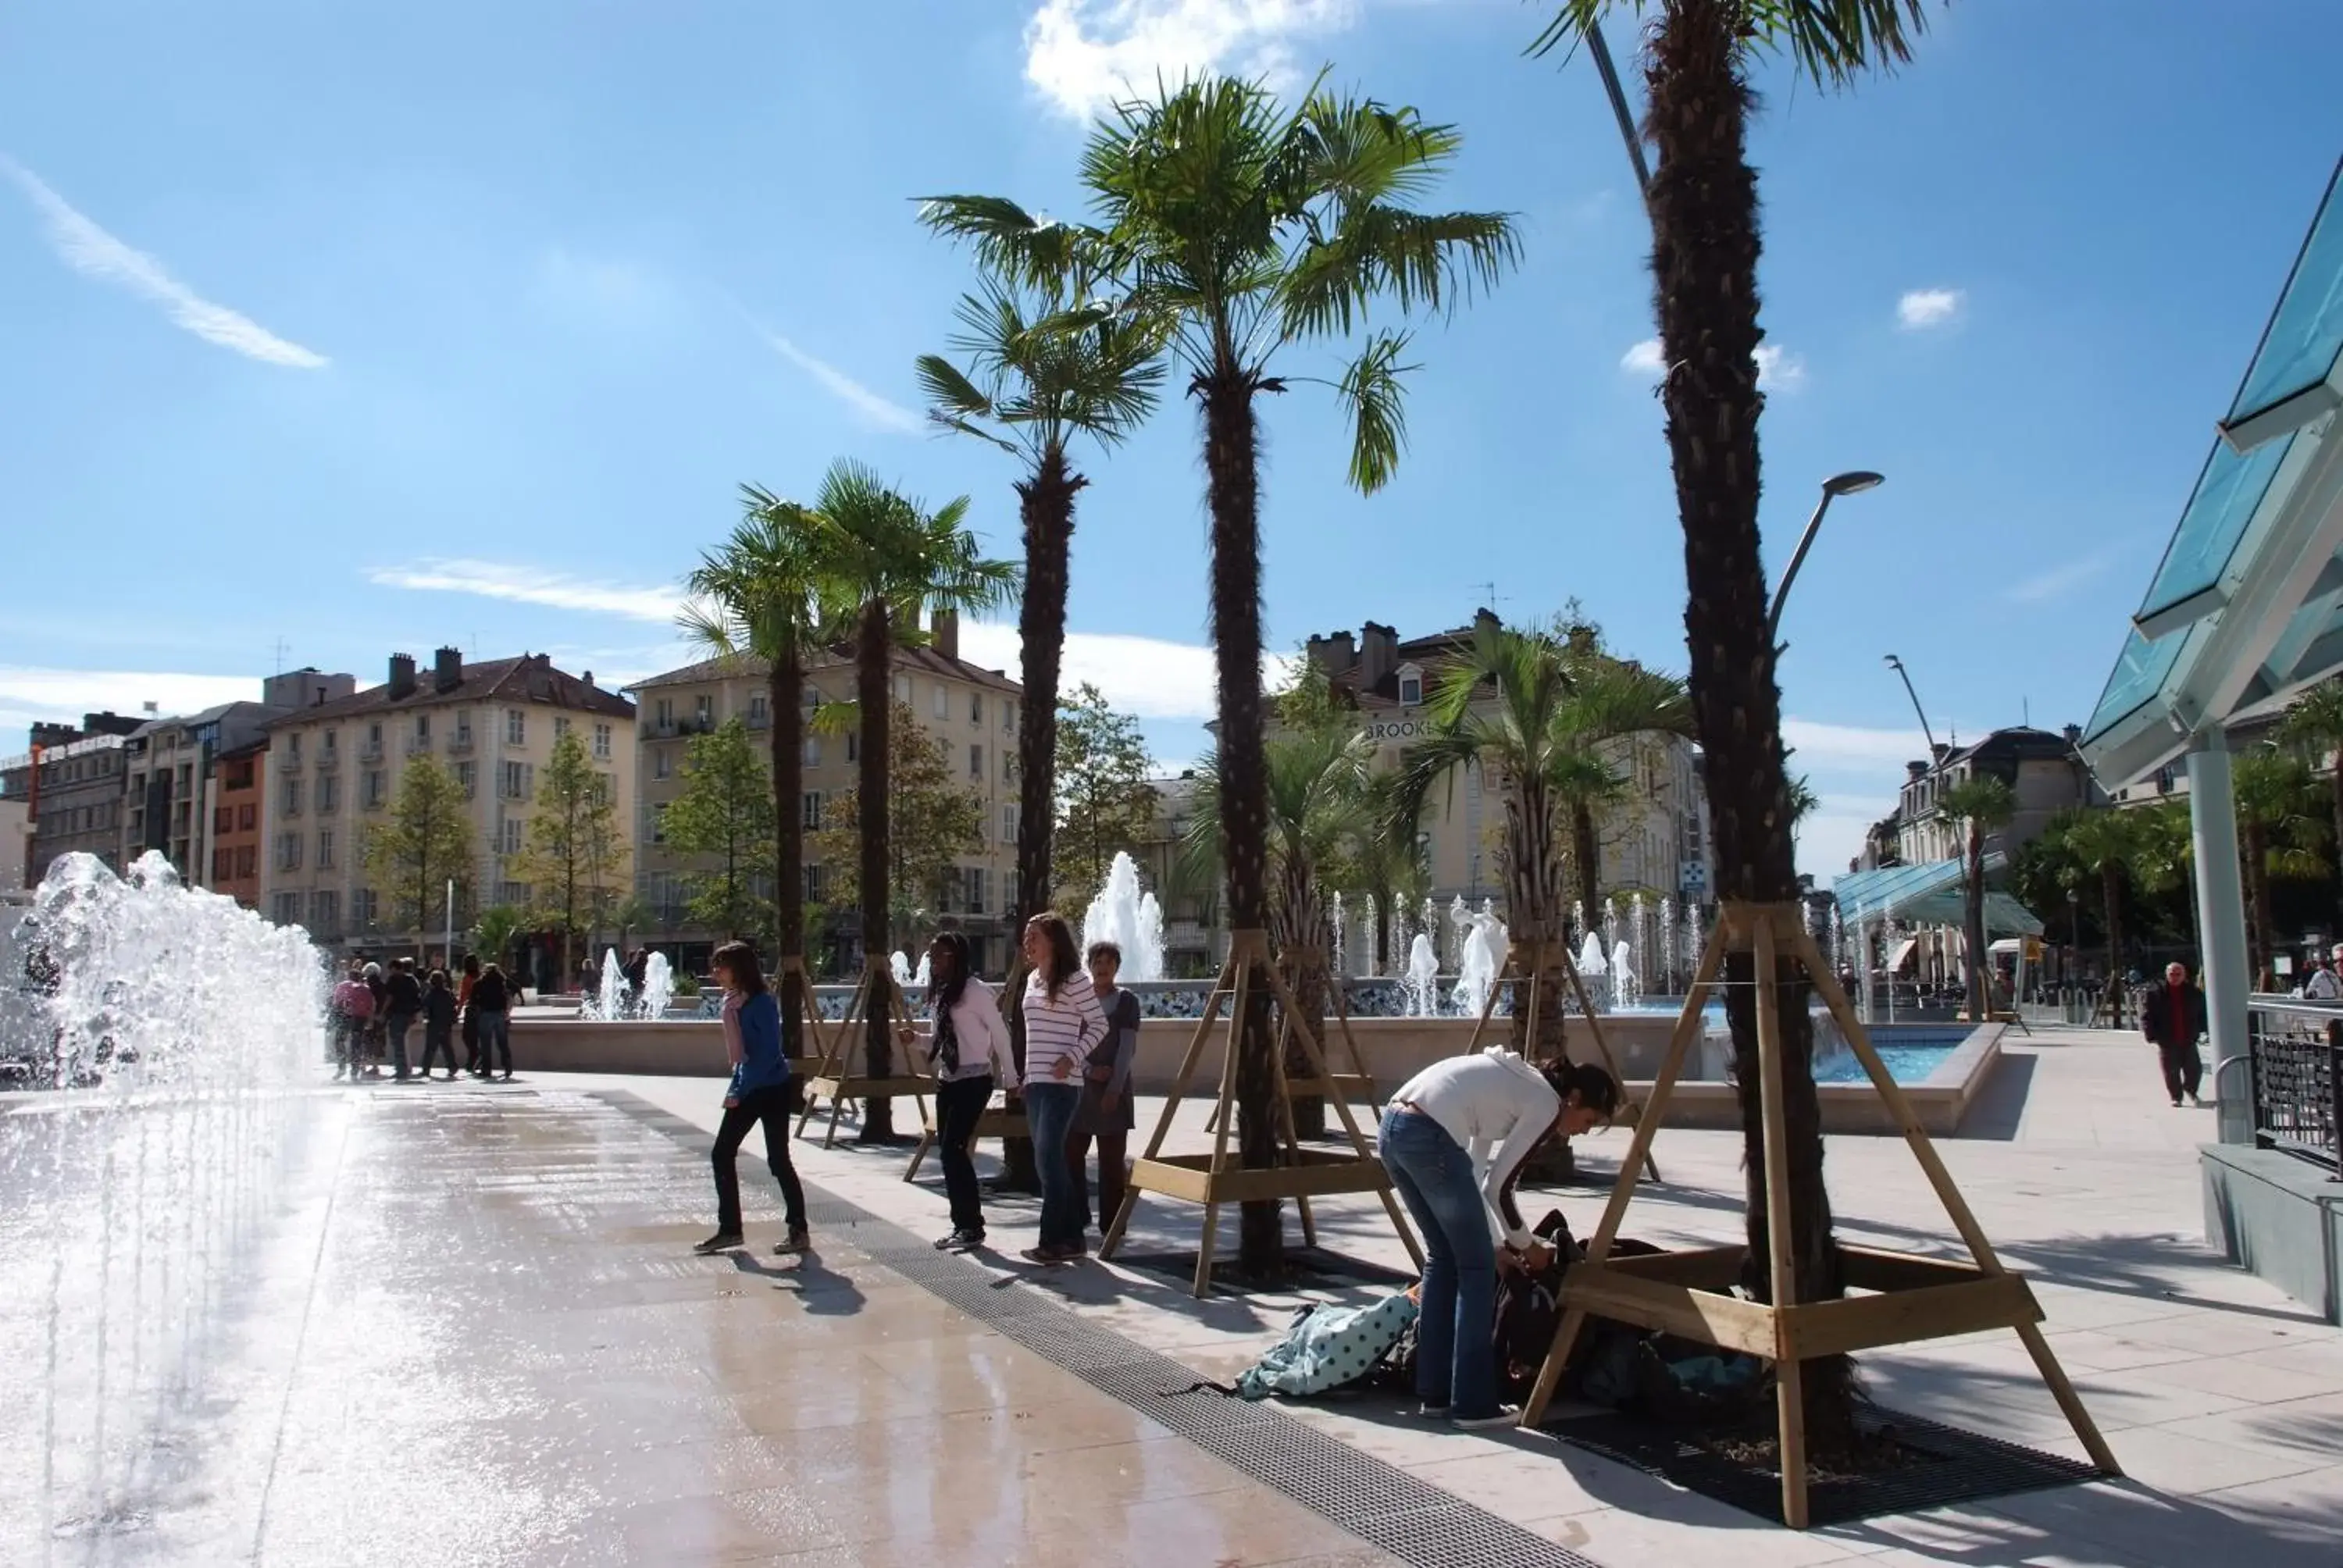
(1327, 1348)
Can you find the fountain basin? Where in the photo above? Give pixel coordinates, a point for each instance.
(1947, 1076)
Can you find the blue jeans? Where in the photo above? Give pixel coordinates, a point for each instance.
(1456, 1362)
(1049, 1112)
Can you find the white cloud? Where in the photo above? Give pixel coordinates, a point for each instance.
(1821, 746)
(2058, 581)
(528, 585)
(1778, 369)
(1085, 55)
(89, 250)
(1152, 678)
(1925, 308)
(1829, 837)
(875, 410)
(31, 692)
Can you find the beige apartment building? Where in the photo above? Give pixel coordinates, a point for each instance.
(971, 712)
(1655, 840)
(333, 766)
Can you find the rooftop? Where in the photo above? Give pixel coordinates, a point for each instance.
(530, 678)
(747, 666)
(2246, 609)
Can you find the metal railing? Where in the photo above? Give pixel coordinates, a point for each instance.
(2297, 1052)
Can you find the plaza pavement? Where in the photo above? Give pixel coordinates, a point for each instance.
(2222, 1398)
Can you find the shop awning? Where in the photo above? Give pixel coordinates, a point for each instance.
(1932, 893)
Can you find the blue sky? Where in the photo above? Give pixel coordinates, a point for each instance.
(357, 327)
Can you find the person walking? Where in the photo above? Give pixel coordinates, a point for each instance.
(1063, 1022)
(468, 1021)
(353, 1009)
(2172, 1018)
(1105, 1112)
(2321, 984)
(760, 1091)
(376, 1020)
(405, 994)
(438, 1024)
(492, 1006)
(1454, 1139)
(970, 1053)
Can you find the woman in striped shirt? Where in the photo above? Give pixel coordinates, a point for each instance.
(1063, 1021)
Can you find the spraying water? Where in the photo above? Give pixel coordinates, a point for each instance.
(609, 1002)
(1131, 917)
(1335, 918)
(1423, 975)
(659, 985)
(1625, 990)
(1476, 977)
(1592, 966)
(175, 1031)
(899, 965)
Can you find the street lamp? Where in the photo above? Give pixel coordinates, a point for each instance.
(1852, 483)
(1896, 665)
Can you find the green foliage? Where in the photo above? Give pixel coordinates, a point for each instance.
(933, 822)
(426, 841)
(1105, 803)
(494, 932)
(576, 856)
(1983, 801)
(1831, 42)
(724, 815)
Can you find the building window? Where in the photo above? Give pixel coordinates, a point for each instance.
(661, 767)
(658, 816)
(853, 745)
(601, 743)
(325, 849)
(813, 750)
(246, 818)
(293, 745)
(903, 690)
(422, 729)
(703, 712)
(325, 913)
(468, 778)
(509, 834)
(363, 909)
(665, 714)
(976, 707)
(223, 821)
(516, 727)
(1410, 691)
(284, 908)
(758, 712)
(810, 809)
(247, 860)
(377, 790)
(1008, 824)
(513, 779)
(942, 706)
(817, 883)
(561, 727)
(513, 894)
(1007, 718)
(288, 851)
(222, 858)
(329, 792)
(290, 798)
(976, 762)
(463, 729)
(972, 889)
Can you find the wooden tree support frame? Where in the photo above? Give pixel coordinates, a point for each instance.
(1688, 1292)
(1212, 1180)
(809, 1010)
(1358, 1085)
(1548, 953)
(833, 1080)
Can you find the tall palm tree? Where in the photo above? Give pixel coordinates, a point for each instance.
(1030, 388)
(890, 559)
(1981, 803)
(2315, 724)
(1532, 711)
(1386, 860)
(1702, 204)
(2279, 835)
(765, 595)
(2102, 844)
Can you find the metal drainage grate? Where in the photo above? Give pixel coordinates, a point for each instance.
(1952, 1466)
(1380, 1503)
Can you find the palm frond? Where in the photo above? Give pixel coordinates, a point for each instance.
(1371, 390)
(1832, 42)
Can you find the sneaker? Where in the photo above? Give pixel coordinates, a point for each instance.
(792, 1245)
(966, 1241)
(2175, 1103)
(723, 1242)
(2198, 1101)
(1043, 1255)
(945, 1243)
(1506, 1415)
(1433, 1411)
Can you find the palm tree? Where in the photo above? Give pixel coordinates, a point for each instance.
(1702, 204)
(1250, 229)
(1982, 803)
(2315, 723)
(890, 558)
(765, 595)
(1532, 711)
(2278, 836)
(1386, 858)
(1031, 389)
(2101, 843)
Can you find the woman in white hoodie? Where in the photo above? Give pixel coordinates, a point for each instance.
(970, 1053)
(1452, 1138)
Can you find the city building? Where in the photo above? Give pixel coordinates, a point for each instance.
(969, 711)
(16, 842)
(169, 796)
(1194, 941)
(2043, 770)
(1652, 840)
(70, 781)
(239, 785)
(333, 769)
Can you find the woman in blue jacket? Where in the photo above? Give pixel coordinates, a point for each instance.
(760, 1091)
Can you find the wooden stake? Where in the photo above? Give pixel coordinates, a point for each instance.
(1789, 1393)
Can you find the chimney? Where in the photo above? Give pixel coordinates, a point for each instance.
(402, 676)
(1914, 771)
(447, 670)
(2074, 734)
(1334, 655)
(1378, 654)
(944, 633)
(587, 678)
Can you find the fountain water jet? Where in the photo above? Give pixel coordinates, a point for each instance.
(1131, 917)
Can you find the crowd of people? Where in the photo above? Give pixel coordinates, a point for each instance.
(374, 1014)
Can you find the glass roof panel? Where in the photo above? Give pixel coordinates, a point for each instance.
(2306, 331)
(2139, 673)
(2229, 491)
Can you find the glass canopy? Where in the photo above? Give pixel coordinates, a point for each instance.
(1932, 893)
(2246, 607)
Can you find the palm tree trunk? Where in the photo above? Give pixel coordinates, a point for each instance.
(1973, 931)
(2111, 895)
(1298, 925)
(1586, 849)
(2261, 927)
(1534, 902)
(1704, 209)
(872, 640)
(2335, 780)
(785, 696)
(1232, 463)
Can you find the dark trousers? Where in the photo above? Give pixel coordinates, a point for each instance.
(959, 1103)
(471, 1031)
(771, 1106)
(2184, 1069)
(1114, 1173)
(496, 1039)
(436, 1043)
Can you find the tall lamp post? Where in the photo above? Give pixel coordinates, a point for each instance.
(1853, 483)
